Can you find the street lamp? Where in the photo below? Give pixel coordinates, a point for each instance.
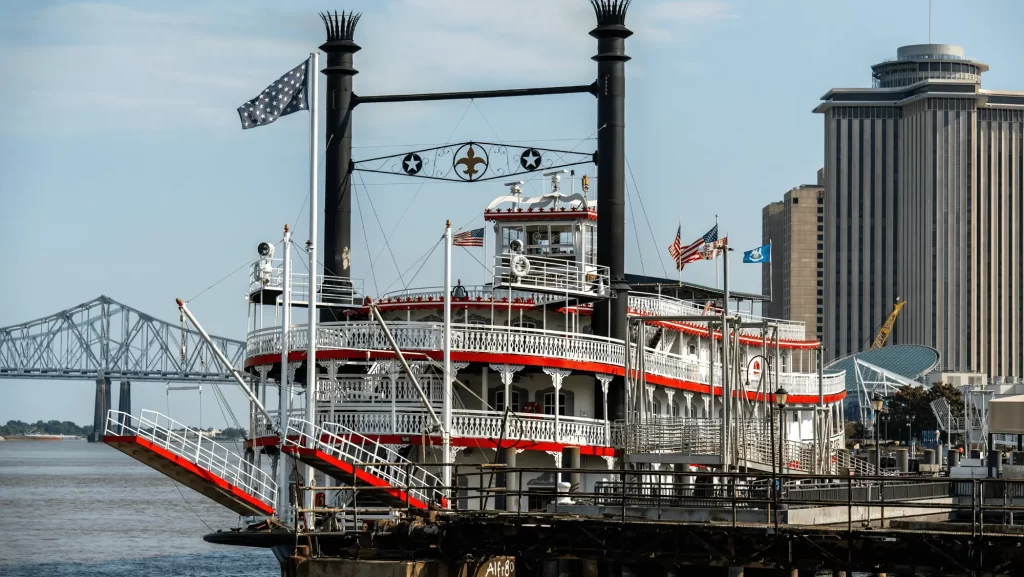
(781, 395)
(910, 438)
(876, 404)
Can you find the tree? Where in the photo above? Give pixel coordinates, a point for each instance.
(915, 401)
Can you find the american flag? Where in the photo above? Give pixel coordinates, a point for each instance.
(692, 252)
(473, 237)
(283, 97)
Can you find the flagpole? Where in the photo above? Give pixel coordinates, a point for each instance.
(311, 373)
(716, 268)
(679, 268)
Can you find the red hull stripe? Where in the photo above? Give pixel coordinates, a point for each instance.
(498, 358)
(203, 474)
(317, 457)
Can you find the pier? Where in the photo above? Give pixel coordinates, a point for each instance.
(663, 523)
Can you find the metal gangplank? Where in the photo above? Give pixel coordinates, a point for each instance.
(350, 457)
(185, 455)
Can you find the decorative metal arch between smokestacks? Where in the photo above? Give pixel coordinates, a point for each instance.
(104, 339)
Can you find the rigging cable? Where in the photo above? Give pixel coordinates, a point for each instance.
(636, 233)
(420, 187)
(644, 209)
(373, 270)
(318, 166)
(379, 225)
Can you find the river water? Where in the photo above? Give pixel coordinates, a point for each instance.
(71, 508)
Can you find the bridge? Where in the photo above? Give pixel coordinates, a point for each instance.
(103, 340)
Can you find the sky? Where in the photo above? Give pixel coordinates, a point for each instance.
(124, 170)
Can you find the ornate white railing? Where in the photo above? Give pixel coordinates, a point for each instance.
(188, 444)
(476, 424)
(268, 274)
(663, 305)
(426, 336)
(549, 275)
(382, 462)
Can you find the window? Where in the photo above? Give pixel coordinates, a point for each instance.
(821, 228)
(539, 498)
(821, 246)
(796, 200)
(525, 324)
(821, 292)
(499, 401)
(656, 407)
(692, 348)
(549, 403)
(510, 233)
(821, 199)
(821, 273)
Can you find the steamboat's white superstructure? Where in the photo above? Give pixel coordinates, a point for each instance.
(530, 379)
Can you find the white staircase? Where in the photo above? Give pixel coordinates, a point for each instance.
(348, 456)
(193, 460)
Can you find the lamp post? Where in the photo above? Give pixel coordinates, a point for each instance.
(876, 405)
(910, 433)
(781, 395)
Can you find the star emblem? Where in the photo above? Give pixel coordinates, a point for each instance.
(530, 159)
(412, 164)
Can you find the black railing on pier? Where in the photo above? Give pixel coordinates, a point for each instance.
(525, 493)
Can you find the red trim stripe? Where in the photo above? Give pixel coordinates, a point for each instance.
(534, 361)
(187, 465)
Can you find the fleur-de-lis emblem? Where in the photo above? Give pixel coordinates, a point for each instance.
(470, 161)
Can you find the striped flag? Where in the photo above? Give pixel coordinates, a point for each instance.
(473, 237)
(692, 252)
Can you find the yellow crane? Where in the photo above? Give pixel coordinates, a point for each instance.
(883, 333)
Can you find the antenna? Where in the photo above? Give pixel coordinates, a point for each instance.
(515, 188)
(929, 21)
(556, 177)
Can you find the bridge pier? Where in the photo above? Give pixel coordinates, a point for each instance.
(124, 400)
(99, 418)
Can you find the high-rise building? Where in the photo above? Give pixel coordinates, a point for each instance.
(923, 201)
(795, 277)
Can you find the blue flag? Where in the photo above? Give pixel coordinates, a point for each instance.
(759, 255)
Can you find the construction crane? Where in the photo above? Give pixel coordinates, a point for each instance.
(883, 333)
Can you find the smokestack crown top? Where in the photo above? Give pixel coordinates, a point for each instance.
(610, 12)
(340, 28)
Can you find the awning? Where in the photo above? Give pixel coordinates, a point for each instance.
(1006, 415)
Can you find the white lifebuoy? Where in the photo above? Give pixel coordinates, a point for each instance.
(520, 266)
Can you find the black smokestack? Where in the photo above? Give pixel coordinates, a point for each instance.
(337, 179)
(611, 34)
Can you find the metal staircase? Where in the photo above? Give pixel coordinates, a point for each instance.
(188, 457)
(350, 457)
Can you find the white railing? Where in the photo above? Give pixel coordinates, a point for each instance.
(331, 289)
(426, 336)
(664, 305)
(188, 444)
(551, 275)
(378, 460)
(476, 424)
(376, 389)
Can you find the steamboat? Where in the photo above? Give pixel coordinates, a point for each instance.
(561, 380)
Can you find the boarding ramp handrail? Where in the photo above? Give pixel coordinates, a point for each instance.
(196, 448)
(376, 459)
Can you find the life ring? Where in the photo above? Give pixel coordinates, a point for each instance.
(520, 266)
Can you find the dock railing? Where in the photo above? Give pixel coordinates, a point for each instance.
(528, 493)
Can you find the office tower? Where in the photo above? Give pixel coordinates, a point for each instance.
(923, 201)
(795, 229)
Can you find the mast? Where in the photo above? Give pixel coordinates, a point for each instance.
(611, 58)
(284, 381)
(311, 379)
(446, 402)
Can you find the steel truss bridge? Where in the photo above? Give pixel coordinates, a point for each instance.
(103, 340)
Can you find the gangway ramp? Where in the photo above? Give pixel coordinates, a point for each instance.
(350, 457)
(186, 456)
